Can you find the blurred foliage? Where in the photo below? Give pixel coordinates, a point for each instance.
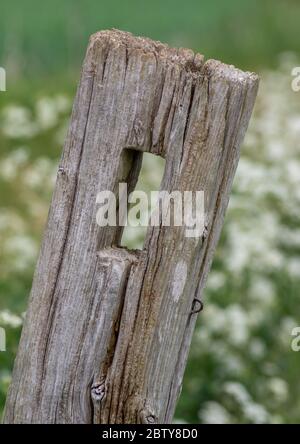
(53, 38)
(241, 367)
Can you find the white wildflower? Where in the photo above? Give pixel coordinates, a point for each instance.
(47, 113)
(7, 318)
(237, 325)
(9, 166)
(215, 318)
(63, 103)
(42, 173)
(214, 413)
(238, 392)
(285, 329)
(262, 290)
(293, 267)
(256, 413)
(23, 249)
(216, 280)
(17, 122)
(279, 389)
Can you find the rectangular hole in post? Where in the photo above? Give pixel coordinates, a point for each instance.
(150, 179)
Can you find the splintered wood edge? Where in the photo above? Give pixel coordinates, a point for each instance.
(184, 58)
(119, 254)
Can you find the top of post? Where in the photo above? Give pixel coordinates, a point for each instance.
(184, 58)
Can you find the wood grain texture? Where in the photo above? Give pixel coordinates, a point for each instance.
(107, 331)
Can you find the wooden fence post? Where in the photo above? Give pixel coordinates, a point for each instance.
(107, 331)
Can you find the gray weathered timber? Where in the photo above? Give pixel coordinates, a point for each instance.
(107, 331)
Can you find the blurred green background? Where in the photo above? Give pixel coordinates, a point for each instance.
(241, 367)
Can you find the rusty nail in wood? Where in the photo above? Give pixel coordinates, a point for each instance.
(197, 310)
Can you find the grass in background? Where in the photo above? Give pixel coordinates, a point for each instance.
(51, 38)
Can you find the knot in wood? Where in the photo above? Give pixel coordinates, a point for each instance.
(147, 417)
(98, 392)
(61, 170)
(151, 419)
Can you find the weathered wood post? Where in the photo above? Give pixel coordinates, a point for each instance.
(107, 332)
